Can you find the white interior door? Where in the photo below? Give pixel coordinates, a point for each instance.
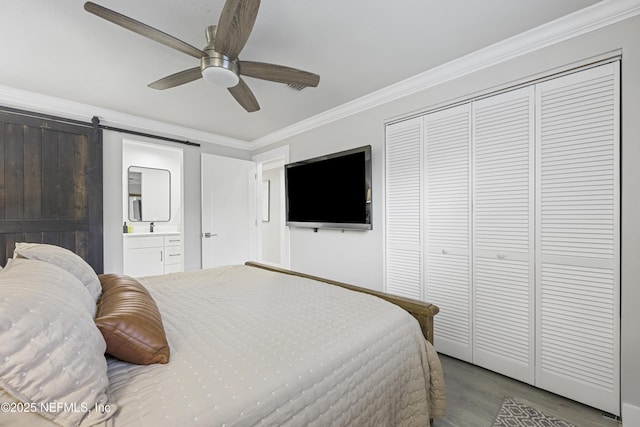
(503, 230)
(578, 240)
(447, 204)
(403, 215)
(228, 211)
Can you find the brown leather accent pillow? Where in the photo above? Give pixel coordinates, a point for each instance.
(130, 321)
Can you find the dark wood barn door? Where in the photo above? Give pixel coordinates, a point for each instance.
(50, 186)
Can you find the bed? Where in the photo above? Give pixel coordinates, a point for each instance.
(237, 345)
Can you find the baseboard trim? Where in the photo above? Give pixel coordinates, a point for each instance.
(630, 415)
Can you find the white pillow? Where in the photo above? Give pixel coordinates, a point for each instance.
(51, 349)
(65, 259)
(66, 284)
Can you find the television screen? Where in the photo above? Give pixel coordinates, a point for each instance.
(332, 191)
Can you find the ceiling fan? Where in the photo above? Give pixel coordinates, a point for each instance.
(219, 63)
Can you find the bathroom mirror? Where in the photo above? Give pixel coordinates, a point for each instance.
(149, 194)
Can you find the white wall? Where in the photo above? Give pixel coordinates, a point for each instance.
(353, 256)
(357, 257)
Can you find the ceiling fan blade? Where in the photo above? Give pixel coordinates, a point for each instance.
(235, 25)
(177, 79)
(244, 96)
(278, 73)
(142, 29)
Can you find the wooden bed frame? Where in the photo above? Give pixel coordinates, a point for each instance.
(422, 311)
(71, 216)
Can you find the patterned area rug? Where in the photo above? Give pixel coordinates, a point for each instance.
(515, 414)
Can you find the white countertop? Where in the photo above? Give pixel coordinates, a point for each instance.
(155, 233)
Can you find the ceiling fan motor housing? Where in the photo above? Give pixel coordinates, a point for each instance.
(217, 68)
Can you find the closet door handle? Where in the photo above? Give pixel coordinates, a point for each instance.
(444, 251)
(502, 256)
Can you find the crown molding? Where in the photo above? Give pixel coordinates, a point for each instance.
(583, 21)
(17, 98)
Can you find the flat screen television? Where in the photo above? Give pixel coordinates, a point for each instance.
(332, 191)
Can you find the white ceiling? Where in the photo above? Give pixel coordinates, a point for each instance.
(357, 47)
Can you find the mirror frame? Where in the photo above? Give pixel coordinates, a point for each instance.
(141, 169)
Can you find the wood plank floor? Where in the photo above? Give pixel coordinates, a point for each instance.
(474, 396)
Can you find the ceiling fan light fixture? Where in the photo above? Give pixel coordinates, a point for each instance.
(218, 70)
(219, 76)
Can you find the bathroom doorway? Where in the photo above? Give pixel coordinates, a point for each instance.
(273, 234)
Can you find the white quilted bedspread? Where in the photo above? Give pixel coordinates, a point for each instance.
(252, 347)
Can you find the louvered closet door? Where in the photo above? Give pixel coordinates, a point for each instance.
(578, 278)
(447, 198)
(403, 216)
(503, 233)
